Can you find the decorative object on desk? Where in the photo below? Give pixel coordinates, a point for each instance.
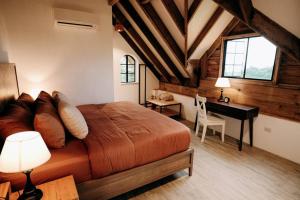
(166, 97)
(222, 83)
(154, 94)
(226, 99)
(22, 152)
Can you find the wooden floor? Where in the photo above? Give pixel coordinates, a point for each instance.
(222, 172)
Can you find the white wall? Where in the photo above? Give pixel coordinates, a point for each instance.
(129, 92)
(75, 61)
(276, 135)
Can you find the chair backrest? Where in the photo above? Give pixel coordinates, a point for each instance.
(201, 109)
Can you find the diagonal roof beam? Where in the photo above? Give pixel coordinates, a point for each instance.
(121, 18)
(175, 14)
(139, 52)
(205, 30)
(193, 9)
(288, 43)
(144, 28)
(163, 30)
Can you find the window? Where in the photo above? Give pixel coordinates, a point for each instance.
(249, 58)
(127, 69)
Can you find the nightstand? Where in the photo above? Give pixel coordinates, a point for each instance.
(59, 189)
(4, 190)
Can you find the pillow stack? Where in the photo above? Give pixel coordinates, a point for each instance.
(71, 116)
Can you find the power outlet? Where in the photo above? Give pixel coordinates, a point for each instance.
(267, 129)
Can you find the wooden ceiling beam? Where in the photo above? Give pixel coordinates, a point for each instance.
(175, 14)
(205, 30)
(163, 30)
(193, 8)
(122, 19)
(149, 35)
(260, 23)
(234, 22)
(139, 52)
(112, 2)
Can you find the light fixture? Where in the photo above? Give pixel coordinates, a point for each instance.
(222, 83)
(22, 152)
(119, 27)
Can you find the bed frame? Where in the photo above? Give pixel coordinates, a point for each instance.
(115, 184)
(122, 182)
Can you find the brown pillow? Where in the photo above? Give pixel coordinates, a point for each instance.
(27, 99)
(16, 118)
(47, 121)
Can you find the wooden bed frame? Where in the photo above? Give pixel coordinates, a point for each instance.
(115, 184)
(122, 182)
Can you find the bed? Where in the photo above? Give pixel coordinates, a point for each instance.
(128, 146)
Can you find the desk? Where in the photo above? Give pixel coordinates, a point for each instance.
(236, 111)
(162, 105)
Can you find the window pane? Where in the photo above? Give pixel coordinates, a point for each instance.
(131, 68)
(123, 60)
(260, 59)
(123, 68)
(131, 78)
(123, 78)
(130, 60)
(235, 57)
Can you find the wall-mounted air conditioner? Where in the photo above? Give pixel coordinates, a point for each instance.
(74, 18)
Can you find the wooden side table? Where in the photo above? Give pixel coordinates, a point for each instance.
(60, 189)
(162, 105)
(5, 190)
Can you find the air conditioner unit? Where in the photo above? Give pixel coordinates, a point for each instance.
(74, 18)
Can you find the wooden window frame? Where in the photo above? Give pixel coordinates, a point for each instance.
(273, 81)
(127, 73)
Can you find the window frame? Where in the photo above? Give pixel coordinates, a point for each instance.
(223, 58)
(127, 73)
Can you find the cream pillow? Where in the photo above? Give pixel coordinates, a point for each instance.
(73, 120)
(58, 96)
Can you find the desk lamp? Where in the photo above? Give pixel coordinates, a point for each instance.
(222, 83)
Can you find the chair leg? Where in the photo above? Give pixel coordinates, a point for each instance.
(197, 128)
(203, 133)
(223, 133)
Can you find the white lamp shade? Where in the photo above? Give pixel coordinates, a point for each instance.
(222, 83)
(23, 151)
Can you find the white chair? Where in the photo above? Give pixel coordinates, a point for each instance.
(207, 120)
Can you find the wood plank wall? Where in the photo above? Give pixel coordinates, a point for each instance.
(281, 99)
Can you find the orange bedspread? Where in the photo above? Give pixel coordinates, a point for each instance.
(124, 135)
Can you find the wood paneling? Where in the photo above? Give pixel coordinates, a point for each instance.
(281, 99)
(154, 42)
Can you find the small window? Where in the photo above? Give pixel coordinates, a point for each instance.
(127, 69)
(249, 58)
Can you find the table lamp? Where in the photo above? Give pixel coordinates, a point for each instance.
(222, 83)
(22, 152)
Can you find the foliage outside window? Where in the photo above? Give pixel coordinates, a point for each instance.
(127, 69)
(249, 58)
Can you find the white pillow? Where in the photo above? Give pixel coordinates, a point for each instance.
(73, 120)
(58, 96)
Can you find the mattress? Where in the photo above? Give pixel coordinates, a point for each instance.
(124, 135)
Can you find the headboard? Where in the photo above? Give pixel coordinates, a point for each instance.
(9, 88)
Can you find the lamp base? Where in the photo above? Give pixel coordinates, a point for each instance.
(37, 194)
(221, 98)
(30, 192)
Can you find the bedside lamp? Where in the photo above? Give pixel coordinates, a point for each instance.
(22, 152)
(222, 83)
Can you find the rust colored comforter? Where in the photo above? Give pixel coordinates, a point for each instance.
(124, 135)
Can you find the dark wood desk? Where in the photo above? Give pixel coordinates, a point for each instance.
(236, 111)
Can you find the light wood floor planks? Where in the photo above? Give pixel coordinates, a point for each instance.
(222, 172)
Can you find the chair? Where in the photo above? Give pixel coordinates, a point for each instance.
(207, 120)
